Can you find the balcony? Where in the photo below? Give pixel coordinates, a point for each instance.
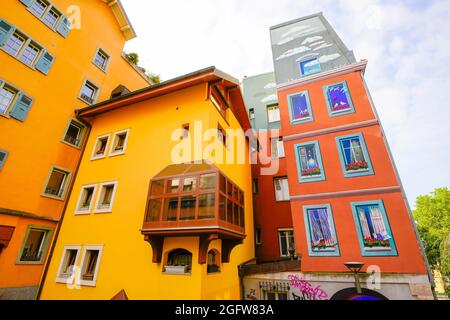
(194, 200)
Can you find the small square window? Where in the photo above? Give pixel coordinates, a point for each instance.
(321, 233)
(86, 198)
(15, 43)
(300, 107)
(38, 8)
(189, 184)
(208, 181)
(338, 98)
(281, 186)
(273, 113)
(30, 53)
(251, 113)
(89, 92)
(372, 225)
(354, 156)
(90, 263)
(277, 147)
(173, 185)
(119, 143)
(66, 272)
(309, 162)
(287, 243)
(100, 147)
(309, 66)
(7, 97)
(57, 183)
(101, 59)
(51, 17)
(35, 245)
(74, 133)
(106, 197)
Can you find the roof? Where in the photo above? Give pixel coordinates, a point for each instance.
(188, 80)
(122, 18)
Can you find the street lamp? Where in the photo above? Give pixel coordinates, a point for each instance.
(355, 267)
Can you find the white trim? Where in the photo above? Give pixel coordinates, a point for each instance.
(115, 136)
(70, 279)
(89, 210)
(108, 59)
(90, 283)
(109, 209)
(93, 155)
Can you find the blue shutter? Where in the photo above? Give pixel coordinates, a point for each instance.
(3, 156)
(6, 31)
(63, 27)
(28, 3)
(45, 62)
(21, 107)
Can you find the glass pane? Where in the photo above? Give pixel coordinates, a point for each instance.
(229, 211)
(88, 91)
(310, 66)
(107, 195)
(236, 214)
(241, 217)
(173, 185)
(6, 97)
(32, 250)
(38, 8)
(14, 44)
(187, 208)
(208, 181)
(353, 154)
(154, 210)
(222, 183)
(189, 184)
(222, 208)
(373, 227)
(309, 161)
(29, 54)
(55, 183)
(241, 197)
(299, 106)
(89, 267)
(87, 198)
(229, 188)
(206, 206)
(73, 134)
(283, 243)
(69, 262)
(170, 209)
(338, 98)
(157, 188)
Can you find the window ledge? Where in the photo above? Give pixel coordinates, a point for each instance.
(109, 210)
(176, 274)
(29, 263)
(98, 158)
(71, 145)
(115, 154)
(87, 102)
(83, 213)
(103, 70)
(52, 197)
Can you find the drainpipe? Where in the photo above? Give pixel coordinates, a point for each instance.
(69, 193)
(241, 272)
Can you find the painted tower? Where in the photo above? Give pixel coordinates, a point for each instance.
(55, 56)
(346, 197)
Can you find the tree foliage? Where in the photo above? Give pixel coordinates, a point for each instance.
(134, 59)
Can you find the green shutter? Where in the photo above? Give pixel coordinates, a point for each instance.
(63, 27)
(6, 31)
(45, 62)
(21, 107)
(28, 3)
(3, 156)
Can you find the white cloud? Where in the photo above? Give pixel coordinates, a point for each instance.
(292, 52)
(270, 85)
(328, 58)
(316, 43)
(322, 46)
(271, 98)
(312, 39)
(296, 29)
(285, 40)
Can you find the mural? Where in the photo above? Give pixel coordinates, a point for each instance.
(338, 98)
(322, 236)
(375, 233)
(353, 154)
(300, 107)
(310, 165)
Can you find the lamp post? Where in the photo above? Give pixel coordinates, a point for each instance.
(355, 267)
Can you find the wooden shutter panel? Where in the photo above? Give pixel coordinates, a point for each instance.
(21, 107)
(6, 31)
(28, 3)
(45, 62)
(3, 156)
(63, 27)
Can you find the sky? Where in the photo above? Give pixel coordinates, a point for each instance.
(406, 43)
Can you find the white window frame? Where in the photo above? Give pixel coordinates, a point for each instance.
(285, 197)
(93, 155)
(96, 94)
(113, 153)
(68, 280)
(65, 186)
(13, 101)
(108, 59)
(93, 282)
(99, 196)
(279, 241)
(269, 112)
(79, 211)
(279, 148)
(82, 133)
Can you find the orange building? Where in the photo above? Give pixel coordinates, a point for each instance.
(55, 56)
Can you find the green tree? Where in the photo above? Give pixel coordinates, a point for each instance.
(134, 59)
(433, 222)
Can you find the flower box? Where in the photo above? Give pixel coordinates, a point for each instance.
(176, 269)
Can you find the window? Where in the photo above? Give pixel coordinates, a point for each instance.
(281, 186)
(309, 66)
(3, 157)
(90, 263)
(38, 8)
(119, 143)
(309, 162)
(66, 271)
(354, 156)
(258, 238)
(89, 92)
(372, 226)
(320, 231)
(179, 261)
(51, 17)
(74, 133)
(100, 147)
(287, 243)
(213, 261)
(7, 96)
(15, 43)
(185, 131)
(221, 135)
(300, 108)
(251, 113)
(273, 113)
(255, 186)
(338, 99)
(206, 206)
(277, 147)
(85, 199)
(106, 197)
(35, 245)
(30, 53)
(101, 59)
(57, 183)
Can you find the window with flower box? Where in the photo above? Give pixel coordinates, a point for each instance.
(321, 233)
(100, 147)
(338, 98)
(354, 156)
(300, 108)
(309, 162)
(105, 200)
(119, 143)
(372, 225)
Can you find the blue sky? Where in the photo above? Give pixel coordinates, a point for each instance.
(406, 43)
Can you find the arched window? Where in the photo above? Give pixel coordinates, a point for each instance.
(213, 261)
(179, 261)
